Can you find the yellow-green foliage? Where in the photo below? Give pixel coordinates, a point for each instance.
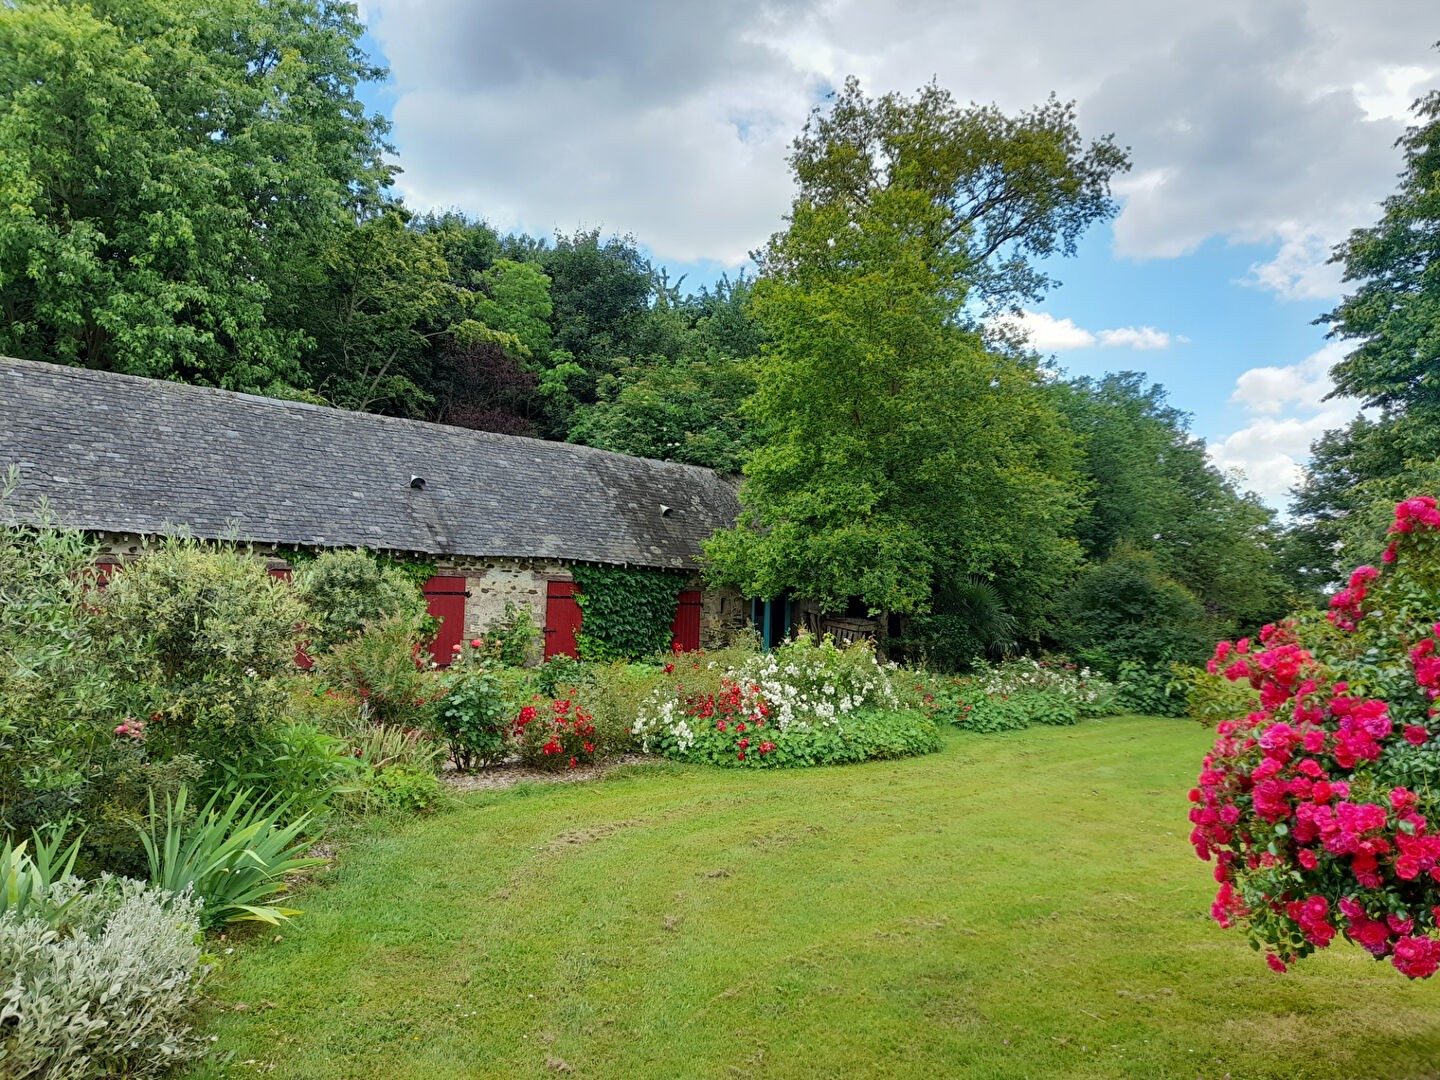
(198, 633)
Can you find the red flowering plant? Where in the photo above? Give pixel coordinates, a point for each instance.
(555, 734)
(1321, 808)
(808, 702)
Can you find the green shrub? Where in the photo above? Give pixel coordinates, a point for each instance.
(1049, 708)
(345, 591)
(233, 856)
(57, 704)
(1087, 690)
(560, 671)
(865, 734)
(1126, 608)
(197, 634)
(512, 640)
(1149, 692)
(992, 715)
(615, 695)
(118, 795)
(401, 790)
(384, 667)
(1211, 698)
(473, 715)
(111, 993)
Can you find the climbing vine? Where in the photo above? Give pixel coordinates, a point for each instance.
(627, 611)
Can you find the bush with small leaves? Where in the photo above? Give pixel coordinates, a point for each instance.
(111, 992)
(346, 590)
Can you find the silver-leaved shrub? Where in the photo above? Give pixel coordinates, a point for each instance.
(110, 992)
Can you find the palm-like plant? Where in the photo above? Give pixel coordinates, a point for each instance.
(25, 878)
(234, 857)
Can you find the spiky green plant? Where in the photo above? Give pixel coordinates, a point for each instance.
(234, 857)
(25, 878)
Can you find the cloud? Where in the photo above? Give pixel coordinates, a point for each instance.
(1046, 334)
(1286, 412)
(1139, 337)
(1256, 123)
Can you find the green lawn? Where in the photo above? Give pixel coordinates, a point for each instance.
(1016, 906)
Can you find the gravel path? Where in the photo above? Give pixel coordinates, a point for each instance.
(496, 777)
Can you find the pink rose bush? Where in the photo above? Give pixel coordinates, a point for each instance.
(1321, 809)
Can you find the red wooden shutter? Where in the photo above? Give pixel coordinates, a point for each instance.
(445, 600)
(302, 658)
(685, 630)
(562, 619)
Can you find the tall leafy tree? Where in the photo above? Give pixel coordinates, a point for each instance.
(1153, 489)
(1392, 315)
(162, 173)
(682, 402)
(377, 295)
(896, 450)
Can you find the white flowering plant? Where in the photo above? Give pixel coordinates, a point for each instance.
(1090, 692)
(1016, 693)
(809, 702)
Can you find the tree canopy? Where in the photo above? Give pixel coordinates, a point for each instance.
(895, 447)
(1392, 317)
(163, 174)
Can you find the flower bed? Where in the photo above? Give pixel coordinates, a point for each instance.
(807, 703)
(1015, 694)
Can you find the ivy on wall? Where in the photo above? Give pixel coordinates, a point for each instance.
(627, 611)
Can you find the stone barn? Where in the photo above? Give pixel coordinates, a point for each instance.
(502, 518)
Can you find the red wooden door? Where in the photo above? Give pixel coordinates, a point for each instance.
(685, 630)
(302, 658)
(562, 619)
(445, 599)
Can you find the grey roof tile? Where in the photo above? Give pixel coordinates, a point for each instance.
(125, 454)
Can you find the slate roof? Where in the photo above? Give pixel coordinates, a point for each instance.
(124, 454)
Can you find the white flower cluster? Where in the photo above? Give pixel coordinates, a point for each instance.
(1057, 676)
(807, 682)
(802, 683)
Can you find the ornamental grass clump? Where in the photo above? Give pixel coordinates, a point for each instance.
(1319, 807)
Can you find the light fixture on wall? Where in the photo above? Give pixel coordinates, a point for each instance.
(418, 483)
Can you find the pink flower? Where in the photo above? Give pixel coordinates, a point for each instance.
(1276, 964)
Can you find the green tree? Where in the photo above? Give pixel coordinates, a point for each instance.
(1393, 318)
(1127, 608)
(377, 295)
(1006, 189)
(162, 173)
(1393, 314)
(600, 295)
(686, 410)
(1152, 487)
(681, 401)
(896, 450)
